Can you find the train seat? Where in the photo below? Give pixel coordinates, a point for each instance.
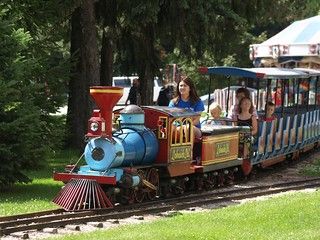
(305, 129)
(300, 124)
(309, 136)
(270, 133)
(278, 136)
(310, 127)
(293, 134)
(313, 127)
(285, 135)
(317, 125)
(260, 143)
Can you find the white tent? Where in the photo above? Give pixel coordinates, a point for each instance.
(299, 43)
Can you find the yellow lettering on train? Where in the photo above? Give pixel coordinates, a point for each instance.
(181, 153)
(222, 148)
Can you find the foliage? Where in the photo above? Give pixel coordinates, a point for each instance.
(312, 169)
(24, 101)
(35, 60)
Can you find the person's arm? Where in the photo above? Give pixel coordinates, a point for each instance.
(171, 104)
(199, 107)
(254, 130)
(131, 94)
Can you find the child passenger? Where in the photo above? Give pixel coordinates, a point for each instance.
(269, 117)
(215, 112)
(245, 116)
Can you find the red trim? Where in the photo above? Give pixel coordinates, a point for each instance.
(246, 167)
(66, 177)
(203, 70)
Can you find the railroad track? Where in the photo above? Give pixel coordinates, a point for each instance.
(59, 218)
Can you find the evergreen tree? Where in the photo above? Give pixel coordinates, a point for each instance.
(22, 142)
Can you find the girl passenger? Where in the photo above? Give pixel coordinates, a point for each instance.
(241, 93)
(187, 97)
(245, 116)
(269, 117)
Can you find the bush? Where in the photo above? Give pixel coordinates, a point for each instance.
(23, 142)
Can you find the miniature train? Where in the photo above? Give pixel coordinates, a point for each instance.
(139, 153)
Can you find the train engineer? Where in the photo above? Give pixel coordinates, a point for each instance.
(187, 97)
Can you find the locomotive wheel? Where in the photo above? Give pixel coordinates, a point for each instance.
(199, 183)
(180, 187)
(230, 178)
(210, 181)
(127, 196)
(139, 193)
(153, 178)
(221, 179)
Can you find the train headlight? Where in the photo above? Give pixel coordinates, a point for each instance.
(94, 126)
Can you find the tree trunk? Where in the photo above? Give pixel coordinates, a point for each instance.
(89, 44)
(147, 89)
(106, 60)
(85, 72)
(109, 11)
(147, 66)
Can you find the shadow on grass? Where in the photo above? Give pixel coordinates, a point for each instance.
(21, 193)
(37, 195)
(42, 187)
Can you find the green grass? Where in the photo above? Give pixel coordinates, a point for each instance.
(294, 216)
(312, 169)
(35, 196)
(288, 217)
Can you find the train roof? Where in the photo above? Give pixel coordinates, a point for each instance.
(173, 112)
(256, 73)
(310, 71)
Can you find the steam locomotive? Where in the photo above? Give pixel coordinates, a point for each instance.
(146, 156)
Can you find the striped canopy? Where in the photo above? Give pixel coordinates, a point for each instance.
(299, 42)
(259, 73)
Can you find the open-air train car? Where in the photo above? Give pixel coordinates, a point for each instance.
(296, 128)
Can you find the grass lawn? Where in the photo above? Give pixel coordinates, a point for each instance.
(35, 196)
(293, 216)
(312, 169)
(286, 217)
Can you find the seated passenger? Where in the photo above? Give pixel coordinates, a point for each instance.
(277, 95)
(215, 112)
(269, 117)
(241, 93)
(245, 116)
(187, 97)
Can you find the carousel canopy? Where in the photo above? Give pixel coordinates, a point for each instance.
(259, 73)
(299, 42)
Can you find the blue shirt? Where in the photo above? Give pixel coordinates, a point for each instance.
(197, 107)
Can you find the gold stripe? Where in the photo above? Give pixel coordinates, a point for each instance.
(223, 138)
(181, 144)
(219, 160)
(120, 91)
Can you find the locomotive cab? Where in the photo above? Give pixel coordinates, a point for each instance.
(173, 128)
